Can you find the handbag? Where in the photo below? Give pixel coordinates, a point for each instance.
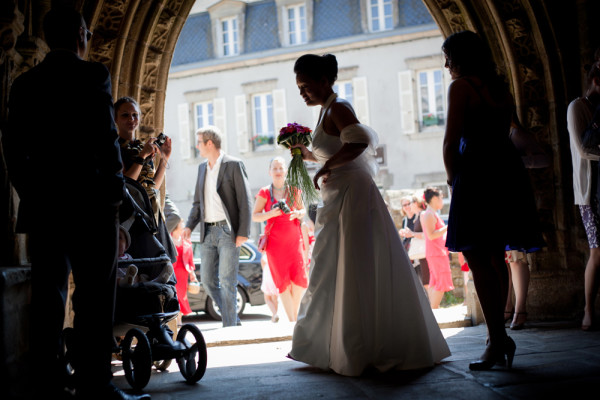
(194, 287)
(262, 242)
(416, 250)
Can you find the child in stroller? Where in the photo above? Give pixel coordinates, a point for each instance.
(151, 303)
(129, 276)
(147, 305)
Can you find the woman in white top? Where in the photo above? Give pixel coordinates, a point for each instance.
(579, 116)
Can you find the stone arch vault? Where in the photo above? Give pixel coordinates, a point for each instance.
(542, 46)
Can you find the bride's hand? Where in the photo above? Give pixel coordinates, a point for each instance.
(306, 153)
(323, 172)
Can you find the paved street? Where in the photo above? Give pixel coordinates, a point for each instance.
(553, 360)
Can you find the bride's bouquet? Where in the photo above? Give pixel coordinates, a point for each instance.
(297, 176)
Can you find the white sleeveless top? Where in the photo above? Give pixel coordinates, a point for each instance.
(324, 145)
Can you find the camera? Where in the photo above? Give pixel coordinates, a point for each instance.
(283, 206)
(160, 139)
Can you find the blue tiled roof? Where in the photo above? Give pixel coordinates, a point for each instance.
(413, 12)
(261, 27)
(195, 41)
(336, 18)
(332, 19)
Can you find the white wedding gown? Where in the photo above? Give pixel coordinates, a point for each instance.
(364, 306)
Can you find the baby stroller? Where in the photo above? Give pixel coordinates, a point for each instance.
(143, 310)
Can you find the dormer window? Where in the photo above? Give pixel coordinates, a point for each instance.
(227, 19)
(381, 15)
(295, 21)
(296, 24)
(229, 28)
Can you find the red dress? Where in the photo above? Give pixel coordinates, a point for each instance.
(284, 247)
(183, 266)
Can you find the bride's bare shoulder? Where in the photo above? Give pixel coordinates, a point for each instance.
(342, 114)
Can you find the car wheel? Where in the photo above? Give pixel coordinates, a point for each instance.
(213, 310)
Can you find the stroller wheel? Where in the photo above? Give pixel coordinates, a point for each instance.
(192, 364)
(137, 358)
(162, 365)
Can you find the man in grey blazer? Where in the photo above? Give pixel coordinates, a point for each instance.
(222, 209)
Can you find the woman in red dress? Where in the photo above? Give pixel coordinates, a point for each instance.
(284, 244)
(184, 268)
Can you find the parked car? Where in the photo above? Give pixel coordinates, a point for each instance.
(249, 281)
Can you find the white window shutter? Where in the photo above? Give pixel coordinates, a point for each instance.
(407, 112)
(279, 110)
(220, 120)
(361, 99)
(241, 120)
(184, 131)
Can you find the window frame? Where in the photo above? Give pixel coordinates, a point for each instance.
(197, 125)
(283, 23)
(382, 17)
(300, 24)
(432, 86)
(233, 35)
(342, 93)
(267, 117)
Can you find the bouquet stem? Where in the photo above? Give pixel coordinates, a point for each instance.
(298, 178)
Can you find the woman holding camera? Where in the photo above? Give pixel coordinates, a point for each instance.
(138, 157)
(139, 162)
(284, 241)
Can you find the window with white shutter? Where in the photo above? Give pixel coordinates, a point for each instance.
(185, 147)
(406, 102)
(220, 121)
(361, 99)
(279, 110)
(241, 120)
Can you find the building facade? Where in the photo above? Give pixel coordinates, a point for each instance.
(233, 68)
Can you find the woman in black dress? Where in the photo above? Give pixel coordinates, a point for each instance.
(480, 162)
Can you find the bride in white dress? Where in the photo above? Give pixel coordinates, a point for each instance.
(365, 306)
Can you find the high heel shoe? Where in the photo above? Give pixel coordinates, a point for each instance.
(509, 349)
(508, 315)
(491, 358)
(516, 326)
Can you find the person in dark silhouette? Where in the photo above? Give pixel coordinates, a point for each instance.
(477, 148)
(63, 160)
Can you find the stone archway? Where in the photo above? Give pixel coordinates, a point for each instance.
(529, 38)
(137, 39)
(541, 44)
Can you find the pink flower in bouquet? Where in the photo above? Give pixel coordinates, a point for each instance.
(298, 177)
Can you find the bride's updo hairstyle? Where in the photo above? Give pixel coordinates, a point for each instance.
(317, 67)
